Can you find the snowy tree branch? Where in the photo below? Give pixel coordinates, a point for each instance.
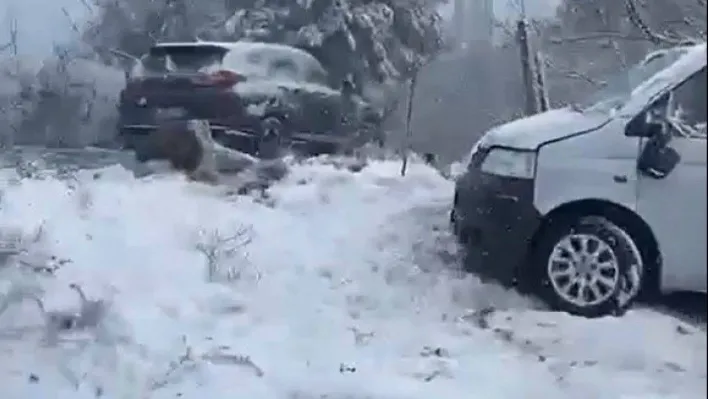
(597, 36)
(572, 74)
(638, 21)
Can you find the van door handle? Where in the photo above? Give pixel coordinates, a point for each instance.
(620, 178)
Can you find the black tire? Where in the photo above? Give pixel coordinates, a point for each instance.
(615, 250)
(125, 139)
(126, 144)
(143, 150)
(139, 144)
(456, 228)
(274, 138)
(320, 148)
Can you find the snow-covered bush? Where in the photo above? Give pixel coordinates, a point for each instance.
(17, 95)
(225, 257)
(67, 100)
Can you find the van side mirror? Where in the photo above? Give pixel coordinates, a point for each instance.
(654, 129)
(644, 126)
(657, 160)
(651, 122)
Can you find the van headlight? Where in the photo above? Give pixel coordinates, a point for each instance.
(510, 163)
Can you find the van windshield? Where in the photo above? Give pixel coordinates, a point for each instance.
(618, 88)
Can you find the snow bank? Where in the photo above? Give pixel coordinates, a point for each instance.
(334, 284)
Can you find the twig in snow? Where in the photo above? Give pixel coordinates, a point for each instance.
(361, 338)
(55, 321)
(434, 352)
(480, 317)
(186, 361)
(344, 368)
(91, 311)
(240, 360)
(432, 376)
(217, 249)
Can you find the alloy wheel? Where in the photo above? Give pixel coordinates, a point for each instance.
(583, 270)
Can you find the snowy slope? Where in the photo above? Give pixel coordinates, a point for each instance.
(340, 285)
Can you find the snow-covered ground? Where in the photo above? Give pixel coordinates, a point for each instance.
(338, 285)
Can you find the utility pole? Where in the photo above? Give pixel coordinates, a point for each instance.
(532, 68)
(527, 70)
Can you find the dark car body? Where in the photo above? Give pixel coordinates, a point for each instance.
(237, 87)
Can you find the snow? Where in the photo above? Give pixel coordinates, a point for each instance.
(278, 87)
(531, 132)
(689, 63)
(256, 58)
(258, 109)
(336, 285)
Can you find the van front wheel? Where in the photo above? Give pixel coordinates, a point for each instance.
(580, 266)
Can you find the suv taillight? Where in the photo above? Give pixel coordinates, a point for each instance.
(222, 78)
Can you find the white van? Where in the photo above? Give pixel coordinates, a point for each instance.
(591, 204)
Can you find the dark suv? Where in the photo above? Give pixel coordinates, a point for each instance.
(253, 95)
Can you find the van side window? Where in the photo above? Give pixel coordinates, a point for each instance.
(688, 114)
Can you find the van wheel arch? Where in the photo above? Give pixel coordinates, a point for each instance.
(624, 218)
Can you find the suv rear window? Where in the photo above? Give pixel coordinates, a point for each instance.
(187, 58)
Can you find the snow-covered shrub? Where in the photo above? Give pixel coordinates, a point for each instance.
(67, 100)
(23, 265)
(225, 257)
(17, 95)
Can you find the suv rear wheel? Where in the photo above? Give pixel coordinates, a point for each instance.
(584, 266)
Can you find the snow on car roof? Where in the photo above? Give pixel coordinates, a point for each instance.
(241, 53)
(239, 46)
(692, 59)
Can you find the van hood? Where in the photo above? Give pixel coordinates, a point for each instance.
(531, 132)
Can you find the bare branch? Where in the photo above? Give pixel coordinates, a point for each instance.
(572, 74)
(597, 36)
(640, 23)
(13, 36)
(615, 46)
(87, 5)
(122, 54)
(72, 24)
(505, 28)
